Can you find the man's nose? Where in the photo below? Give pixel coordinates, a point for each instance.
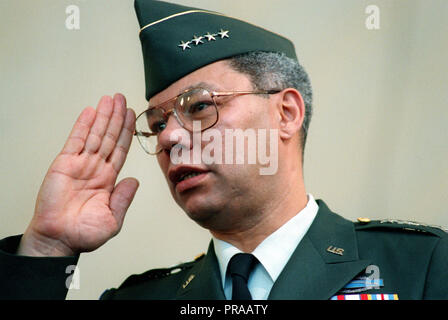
(174, 134)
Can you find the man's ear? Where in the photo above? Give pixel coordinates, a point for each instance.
(291, 110)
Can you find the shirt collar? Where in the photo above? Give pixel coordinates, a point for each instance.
(275, 251)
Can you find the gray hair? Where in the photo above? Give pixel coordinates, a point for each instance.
(273, 70)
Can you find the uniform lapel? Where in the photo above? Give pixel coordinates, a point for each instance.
(318, 267)
(203, 280)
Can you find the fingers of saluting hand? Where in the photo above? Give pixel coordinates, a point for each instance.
(104, 111)
(118, 155)
(88, 131)
(77, 138)
(114, 126)
(107, 131)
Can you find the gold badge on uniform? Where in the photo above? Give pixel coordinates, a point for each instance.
(191, 277)
(338, 251)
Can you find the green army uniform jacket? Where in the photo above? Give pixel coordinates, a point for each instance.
(336, 258)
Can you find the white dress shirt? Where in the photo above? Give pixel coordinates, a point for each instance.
(273, 253)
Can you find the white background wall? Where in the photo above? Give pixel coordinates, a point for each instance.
(377, 145)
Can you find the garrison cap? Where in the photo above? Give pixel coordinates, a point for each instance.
(177, 40)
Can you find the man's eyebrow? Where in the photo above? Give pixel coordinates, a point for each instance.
(204, 85)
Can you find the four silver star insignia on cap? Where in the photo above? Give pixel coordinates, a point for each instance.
(198, 40)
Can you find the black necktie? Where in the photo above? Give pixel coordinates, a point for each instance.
(239, 268)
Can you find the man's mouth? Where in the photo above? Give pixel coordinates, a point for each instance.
(188, 176)
(184, 177)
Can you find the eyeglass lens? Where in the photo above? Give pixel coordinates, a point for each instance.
(193, 105)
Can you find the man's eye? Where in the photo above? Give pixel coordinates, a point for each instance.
(199, 106)
(158, 126)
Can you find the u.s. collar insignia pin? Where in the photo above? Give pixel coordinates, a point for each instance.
(338, 251)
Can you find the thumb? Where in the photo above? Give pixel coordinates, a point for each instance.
(121, 198)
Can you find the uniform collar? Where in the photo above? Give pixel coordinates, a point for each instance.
(314, 271)
(324, 261)
(275, 251)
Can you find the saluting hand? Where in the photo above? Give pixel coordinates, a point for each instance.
(79, 207)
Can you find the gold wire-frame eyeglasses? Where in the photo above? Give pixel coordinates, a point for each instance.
(186, 108)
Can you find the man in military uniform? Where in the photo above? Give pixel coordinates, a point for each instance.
(271, 240)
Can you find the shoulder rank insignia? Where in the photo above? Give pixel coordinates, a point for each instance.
(154, 274)
(412, 224)
(366, 223)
